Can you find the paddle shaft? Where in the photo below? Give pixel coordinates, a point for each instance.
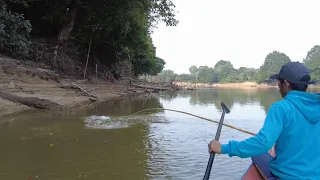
(212, 154)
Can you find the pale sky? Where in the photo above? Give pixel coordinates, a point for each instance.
(240, 31)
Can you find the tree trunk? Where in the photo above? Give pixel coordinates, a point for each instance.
(68, 25)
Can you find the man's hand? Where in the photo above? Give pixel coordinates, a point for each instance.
(215, 146)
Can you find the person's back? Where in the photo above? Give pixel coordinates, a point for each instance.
(292, 124)
(298, 145)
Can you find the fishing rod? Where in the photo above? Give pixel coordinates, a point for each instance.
(200, 117)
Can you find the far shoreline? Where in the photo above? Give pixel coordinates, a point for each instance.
(244, 85)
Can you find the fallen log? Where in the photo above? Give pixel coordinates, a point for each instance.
(83, 90)
(152, 87)
(77, 87)
(31, 101)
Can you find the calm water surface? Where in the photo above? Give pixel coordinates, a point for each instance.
(97, 143)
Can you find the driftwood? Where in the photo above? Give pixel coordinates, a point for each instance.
(31, 101)
(152, 87)
(77, 87)
(86, 92)
(138, 91)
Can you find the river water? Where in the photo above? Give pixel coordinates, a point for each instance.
(99, 143)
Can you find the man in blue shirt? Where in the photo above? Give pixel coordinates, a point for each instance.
(292, 124)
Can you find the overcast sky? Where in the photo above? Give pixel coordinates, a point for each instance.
(242, 32)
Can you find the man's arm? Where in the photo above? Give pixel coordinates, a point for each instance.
(263, 141)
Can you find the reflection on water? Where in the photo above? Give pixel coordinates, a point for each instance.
(105, 142)
(207, 97)
(124, 107)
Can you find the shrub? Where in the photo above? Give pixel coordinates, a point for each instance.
(14, 31)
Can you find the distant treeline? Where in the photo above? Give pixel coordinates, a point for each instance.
(224, 72)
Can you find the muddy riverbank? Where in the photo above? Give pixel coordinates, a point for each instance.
(27, 86)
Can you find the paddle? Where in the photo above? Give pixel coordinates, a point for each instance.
(212, 154)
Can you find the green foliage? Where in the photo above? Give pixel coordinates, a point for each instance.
(152, 67)
(193, 70)
(165, 76)
(120, 32)
(157, 67)
(184, 78)
(14, 30)
(224, 72)
(205, 74)
(119, 29)
(312, 61)
(272, 65)
(246, 74)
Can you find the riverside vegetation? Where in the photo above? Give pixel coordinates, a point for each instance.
(57, 54)
(223, 72)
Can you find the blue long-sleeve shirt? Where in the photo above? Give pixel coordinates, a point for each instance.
(293, 125)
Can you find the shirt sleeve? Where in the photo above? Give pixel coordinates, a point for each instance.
(261, 142)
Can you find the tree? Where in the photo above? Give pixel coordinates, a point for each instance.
(119, 30)
(225, 70)
(194, 73)
(246, 74)
(193, 70)
(205, 74)
(14, 31)
(184, 78)
(157, 67)
(312, 61)
(167, 76)
(272, 65)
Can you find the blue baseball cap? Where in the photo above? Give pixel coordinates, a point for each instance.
(294, 72)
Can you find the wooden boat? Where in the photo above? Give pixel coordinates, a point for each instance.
(253, 173)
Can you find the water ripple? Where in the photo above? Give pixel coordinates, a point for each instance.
(180, 152)
(106, 122)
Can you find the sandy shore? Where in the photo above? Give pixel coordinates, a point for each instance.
(245, 85)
